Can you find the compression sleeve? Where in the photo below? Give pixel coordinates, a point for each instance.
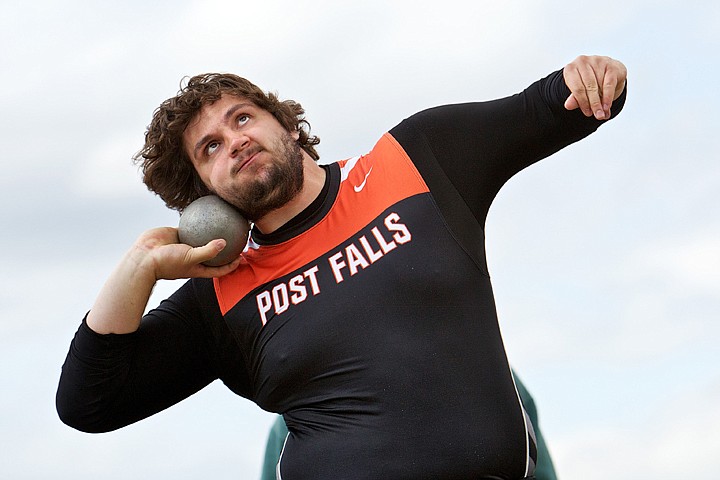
(109, 381)
(480, 145)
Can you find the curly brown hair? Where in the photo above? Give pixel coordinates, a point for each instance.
(166, 167)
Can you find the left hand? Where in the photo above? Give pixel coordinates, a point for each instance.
(594, 82)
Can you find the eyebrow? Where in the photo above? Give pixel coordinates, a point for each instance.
(228, 114)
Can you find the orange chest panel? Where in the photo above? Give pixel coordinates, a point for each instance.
(369, 185)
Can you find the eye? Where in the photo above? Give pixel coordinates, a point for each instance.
(211, 148)
(242, 119)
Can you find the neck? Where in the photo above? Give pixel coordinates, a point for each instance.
(314, 179)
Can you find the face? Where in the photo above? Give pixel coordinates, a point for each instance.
(244, 155)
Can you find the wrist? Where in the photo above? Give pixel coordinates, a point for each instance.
(140, 260)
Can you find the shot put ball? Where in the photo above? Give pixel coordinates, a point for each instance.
(211, 217)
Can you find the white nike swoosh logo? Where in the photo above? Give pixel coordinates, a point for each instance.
(358, 188)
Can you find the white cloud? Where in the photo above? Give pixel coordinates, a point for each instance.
(673, 438)
(107, 170)
(689, 262)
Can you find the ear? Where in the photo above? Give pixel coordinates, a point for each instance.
(295, 134)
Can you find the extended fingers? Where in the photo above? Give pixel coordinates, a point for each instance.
(592, 79)
(584, 79)
(594, 82)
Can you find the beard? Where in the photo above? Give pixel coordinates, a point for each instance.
(280, 181)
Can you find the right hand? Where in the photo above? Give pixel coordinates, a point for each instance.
(156, 254)
(160, 250)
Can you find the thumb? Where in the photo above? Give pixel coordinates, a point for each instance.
(571, 103)
(207, 251)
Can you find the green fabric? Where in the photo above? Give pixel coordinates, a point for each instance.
(275, 442)
(544, 469)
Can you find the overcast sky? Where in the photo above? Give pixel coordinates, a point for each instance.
(605, 257)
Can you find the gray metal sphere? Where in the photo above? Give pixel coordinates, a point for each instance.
(211, 217)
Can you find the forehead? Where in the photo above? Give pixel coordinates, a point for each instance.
(220, 110)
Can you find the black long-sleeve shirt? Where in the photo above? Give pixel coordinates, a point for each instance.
(368, 321)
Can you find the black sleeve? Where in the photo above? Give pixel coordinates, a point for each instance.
(109, 381)
(479, 146)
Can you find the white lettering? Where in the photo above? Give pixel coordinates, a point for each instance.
(280, 298)
(372, 255)
(264, 304)
(392, 223)
(299, 292)
(337, 264)
(282, 295)
(310, 275)
(355, 259)
(385, 245)
(358, 254)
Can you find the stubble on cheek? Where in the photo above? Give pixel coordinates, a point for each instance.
(270, 184)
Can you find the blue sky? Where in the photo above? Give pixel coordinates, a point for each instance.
(605, 257)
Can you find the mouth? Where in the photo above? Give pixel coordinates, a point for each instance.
(246, 159)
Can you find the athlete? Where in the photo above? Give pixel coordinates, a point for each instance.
(362, 309)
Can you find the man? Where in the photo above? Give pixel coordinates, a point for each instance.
(362, 309)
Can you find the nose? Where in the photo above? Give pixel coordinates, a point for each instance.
(236, 144)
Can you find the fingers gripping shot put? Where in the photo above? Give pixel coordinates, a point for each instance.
(209, 218)
(361, 308)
